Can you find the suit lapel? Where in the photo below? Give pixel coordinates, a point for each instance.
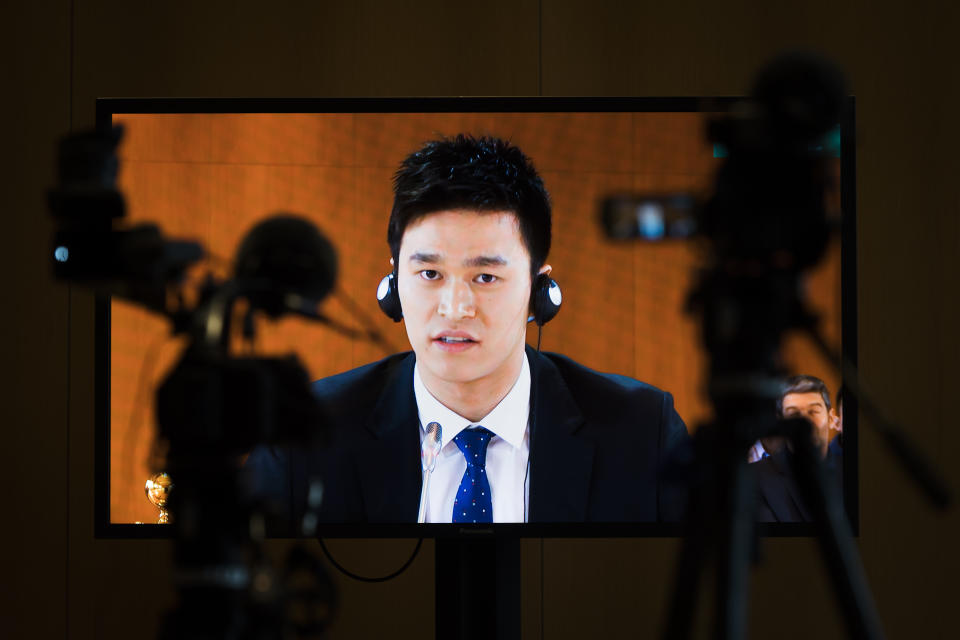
(784, 498)
(389, 467)
(561, 461)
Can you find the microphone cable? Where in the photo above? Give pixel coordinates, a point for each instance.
(360, 578)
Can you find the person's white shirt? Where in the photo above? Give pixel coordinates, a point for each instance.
(507, 453)
(756, 452)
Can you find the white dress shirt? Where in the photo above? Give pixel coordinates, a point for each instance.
(507, 453)
(756, 452)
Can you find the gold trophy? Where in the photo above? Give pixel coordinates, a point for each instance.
(158, 490)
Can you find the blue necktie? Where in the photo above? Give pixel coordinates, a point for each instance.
(472, 503)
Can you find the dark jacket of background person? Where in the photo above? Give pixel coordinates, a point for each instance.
(779, 495)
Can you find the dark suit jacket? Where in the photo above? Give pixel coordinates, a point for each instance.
(780, 499)
(598, 444)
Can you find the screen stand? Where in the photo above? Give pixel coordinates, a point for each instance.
(478, 588)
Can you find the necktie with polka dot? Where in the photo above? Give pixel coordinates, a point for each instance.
(472, 503)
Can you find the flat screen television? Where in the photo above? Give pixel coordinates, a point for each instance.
(209, 169)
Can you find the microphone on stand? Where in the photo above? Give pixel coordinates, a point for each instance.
(429, 451)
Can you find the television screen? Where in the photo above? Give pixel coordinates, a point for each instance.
(210, 170)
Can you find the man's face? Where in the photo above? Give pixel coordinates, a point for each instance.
(811, 406)
(464, 283)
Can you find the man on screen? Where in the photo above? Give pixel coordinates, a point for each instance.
(525, 436)
(780, 498)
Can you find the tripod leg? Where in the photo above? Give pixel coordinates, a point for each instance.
(838, 548)
(735, 552)
(694, 553)
(720, 524)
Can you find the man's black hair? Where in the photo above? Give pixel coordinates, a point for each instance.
(483, 174)
(803, 384)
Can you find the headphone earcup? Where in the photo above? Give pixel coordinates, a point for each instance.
(388, 297)
(546, 299)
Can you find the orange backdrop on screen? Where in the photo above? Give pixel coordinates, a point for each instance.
(210, 177)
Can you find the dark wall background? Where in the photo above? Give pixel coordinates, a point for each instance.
(59, 55)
